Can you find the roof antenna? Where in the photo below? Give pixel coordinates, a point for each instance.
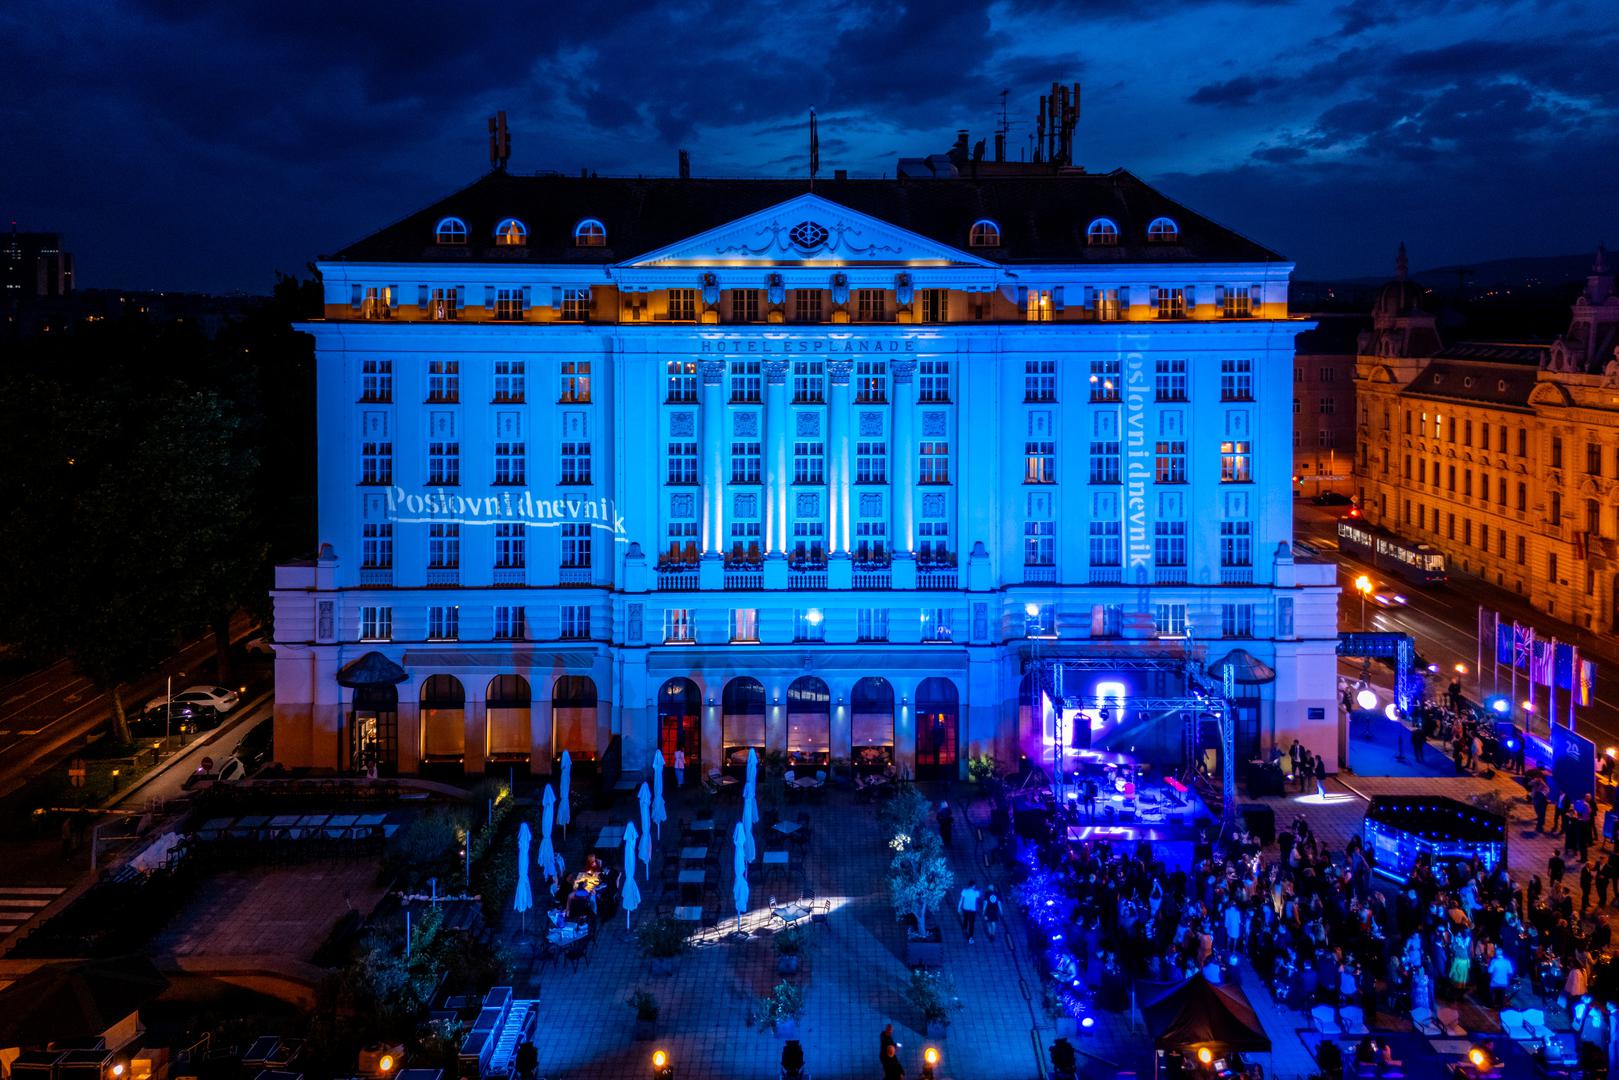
(685, 165)
(500, 142)
(815, 149)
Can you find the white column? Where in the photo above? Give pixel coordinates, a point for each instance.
(712, 373)
(776, 464)
(902, 537)
(838, 479)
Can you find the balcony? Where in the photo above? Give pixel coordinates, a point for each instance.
(1039, 575)
(1236, 575)
(574, 575)
(511, 575)
(444, 577)
(1169, 575)
(936, 579)
(1103, 575)
(807, 579)
(872, 579)
(376, 577)
(744, 579)
(677, 579)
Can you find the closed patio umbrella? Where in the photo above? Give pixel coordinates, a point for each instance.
(523, 897)
(644, 797)
(630, 898)
(740, 841)
(750, 814)
(548, 817)
(660, 813)
(564, 815)
(753, 785)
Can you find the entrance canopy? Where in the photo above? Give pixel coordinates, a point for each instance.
(1197, 1013)
(372, 669)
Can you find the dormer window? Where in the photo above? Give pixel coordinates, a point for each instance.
(1163, 231)
(511, 233)
(1102, 233)
(590, 233)
(984, 233)
(452, 230)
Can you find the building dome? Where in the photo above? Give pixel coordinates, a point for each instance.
(1401, 296)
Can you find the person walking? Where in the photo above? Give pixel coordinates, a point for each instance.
(680, 768)
(1539, 795)
(1321, 776)
(1555, 867)
(967, 908)
(992, 912)
(947, 824)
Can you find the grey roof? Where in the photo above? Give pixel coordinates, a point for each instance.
(1503, 352)
(1484, 382)
(1042, 218)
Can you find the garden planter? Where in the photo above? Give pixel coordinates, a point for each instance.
(925, 952)
(645, 1030)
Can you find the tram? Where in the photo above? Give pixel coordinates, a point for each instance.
(1418, 563)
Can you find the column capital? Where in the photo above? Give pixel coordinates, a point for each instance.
(775, 369)
(712, 369)
(903, 369)
(839, 370)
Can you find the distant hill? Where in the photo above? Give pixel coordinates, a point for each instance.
(1526, 271)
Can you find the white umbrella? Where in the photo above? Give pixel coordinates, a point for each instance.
(564, 815)
(548, 817)
(630, 898)
(659, 813)
(523, 898)
(750, 814)
(740, 840)
(752, 787)
(644, 796)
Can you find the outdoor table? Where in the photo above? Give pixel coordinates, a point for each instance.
(689, 913)
(567, 933)
(807, 782)
(308, 825)
(791, 914)
(693, 854)
(786, 828)
(693, 877)
(592, 883)
(611, 836)
(339, 825)
(727, 781)
(703, 825)
(775, 858)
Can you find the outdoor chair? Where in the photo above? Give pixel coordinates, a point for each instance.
(1535, 1021)
(1423, 1018)
(1512, 1022)
(578, 953)
(1451, 1020)
(1352, 1019)
(1325, 1020)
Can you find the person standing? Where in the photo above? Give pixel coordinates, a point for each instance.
(887, 1043)
(992, 912)
(967, 908)
(1293, 759)
(1090, 797)
(680, 768)
(892, 1069)
(1538, 794)
(1555, 867)
(1417, 741)
(1587, 879)
(947, 824)
(1321, 776)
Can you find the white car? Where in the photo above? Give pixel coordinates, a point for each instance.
(221, 698)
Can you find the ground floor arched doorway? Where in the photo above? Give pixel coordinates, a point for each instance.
(937, 729)
(444, 721)
(809, 722)
(508, 706)
(871, 724)
(374, 725)
(573, 717)
(680, 720)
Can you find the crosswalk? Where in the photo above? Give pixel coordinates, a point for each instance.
(19, 903)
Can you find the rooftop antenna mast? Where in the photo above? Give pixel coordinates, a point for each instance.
(814, 149)
(1001, 131)
(500, 142)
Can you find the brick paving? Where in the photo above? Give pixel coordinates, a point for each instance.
(269, 911)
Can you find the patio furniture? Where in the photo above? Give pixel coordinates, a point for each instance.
(693, 877)
(689, 913)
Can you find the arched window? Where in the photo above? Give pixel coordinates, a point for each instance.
(809, 722)
(452, 230)
(984, 233)
(444, 719)
(573, 716)
(871, 724)
(1102, 233)
(1163, 231)
(511, 233)
(936, 729)
(680, 720)
(590, 233)
(742, 720)
(506, 711)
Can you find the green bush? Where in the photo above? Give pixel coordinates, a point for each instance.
(644, 1004)
(784, 1002)
(933, 994)
(980, 767)
(662, 939)
(906, 814)
(793, 941)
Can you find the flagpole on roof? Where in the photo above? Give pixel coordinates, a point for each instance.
(814, 149)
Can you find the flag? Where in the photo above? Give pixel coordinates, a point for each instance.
(815, 147)
(1486, 619)
(1588, 682)
(1540, 662)
(1505, 642)
(1563, 661)
(1523, 641)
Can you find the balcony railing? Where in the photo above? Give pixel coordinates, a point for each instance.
(511, 575)
(1106, 575)
(444, 577)
(376, 576)
(574, 575)
(677, 579)
(936, 579)
(744, 579)
(806, 579)
(872, 579)
(1170, 575)
(1039, 575)
(1236, 575)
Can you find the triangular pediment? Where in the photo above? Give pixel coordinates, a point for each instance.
(808, 231)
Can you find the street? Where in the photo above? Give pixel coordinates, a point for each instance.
(1444, 621)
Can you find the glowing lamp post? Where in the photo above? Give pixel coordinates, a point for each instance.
(661, 1069)
(1363, 585)
(930, 1061)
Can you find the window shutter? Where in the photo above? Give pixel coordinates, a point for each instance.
(1023, 297)
(1056, 298)
(421, 296)
(1152, 296)
(489, 297)
(1124, 299)
(356, 296)
(1090, 297)
(556, 297)
(1256, 295)
(528, 296)
(1219, 296)
(393, 296)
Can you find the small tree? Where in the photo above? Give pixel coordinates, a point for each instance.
(905, 814)
(919, 878)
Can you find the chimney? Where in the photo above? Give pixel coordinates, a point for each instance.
(958, 152)
(840, 174)
(1000, 146)
(685, 165)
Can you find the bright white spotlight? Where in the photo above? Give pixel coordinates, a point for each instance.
(1366, 699)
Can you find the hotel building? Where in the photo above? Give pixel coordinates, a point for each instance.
(614, 464)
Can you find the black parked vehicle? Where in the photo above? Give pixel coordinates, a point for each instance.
(173, 719)
(1331, 498)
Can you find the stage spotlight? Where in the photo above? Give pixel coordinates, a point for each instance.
(1366, 699)
(1392, 711)
(1205, 1055)
(1500, 705)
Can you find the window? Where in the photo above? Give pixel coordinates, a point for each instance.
(509, 304)
(871, 624)
(683, 541)
(683, 305)
(575, 387)
(984, 233)
(1039, 380)
(678, 625)
(443, 463)
(511, 545)
(443, 546)
(1551, 567)
(511, 623)
(1467, 433)
(745, 382)
(1593, 459)
(511, 381)
(871, 541)
(1105, 379)
(1327, 439)
(1169, 620)
(511, 233)
(445, 304)
(809, 382)
(1237, 620)
(1327, 406)
(745, 459)
(936, 625)
(871, 382)
(745, 541)
(377, 463)
(1237, 303)
(575, 463)
(451, 230)
(1163, 231)
(682, 463)
(1169, 464)
(575, 545)
(1523, 497)
(1104, 462)
(1039, 463)
(745, 305)
(871, 463)
(809, 463)
(590, 233)
(511, 463)
(1236, 380)
(377, 546)
(1105, 543)
(933, 541)
(378, 303)
(575, 305)
(1235, 459)
(1557, 451)
(809, 625)
(376, 624)
(377, 381)
(1037, 305)
(933, 383)
(935, 305)
(1169, 543)
(443, 623)
(869, 305)
(1169, 303)
(1039, 543)
(744, 624)
(935, 463)
(809, 543)
(1105, 303)
(443, 382)
(1556, 511)
(576, 622)
(1236, 543)
(1169, 380)
(1102, 233)
(807, 305)
(682, 382)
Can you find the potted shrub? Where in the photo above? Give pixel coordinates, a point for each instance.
(646, 1015)
(934, 996)
(791, 944)
(919, 879)
(980, 767)
(780, 1009)
(906, 814)
(662, 941)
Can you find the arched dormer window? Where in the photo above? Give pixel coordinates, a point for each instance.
(511, 233)
(1102, 233)
(590, 233)
(984, 233)
(1163, 231)
(451, 230)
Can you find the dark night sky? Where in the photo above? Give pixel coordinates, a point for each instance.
(202, 146)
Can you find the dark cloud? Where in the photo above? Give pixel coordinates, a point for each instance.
(1239, 91)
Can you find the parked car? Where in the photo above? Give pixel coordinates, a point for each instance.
(254, 748)
(221, 698)
(1331, 498)
(185, 715)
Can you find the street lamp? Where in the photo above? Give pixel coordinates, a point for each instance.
(930, 1061)
(661, 1069)
(1363, 585)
